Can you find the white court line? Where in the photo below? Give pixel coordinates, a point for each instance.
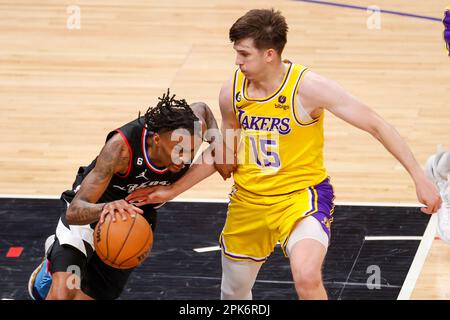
(225, 200)
(29, 196)
(392, 238)
(49, 196)
(339, 203)
(379, 204)
(207, 249)
(355, 284)
(419, 260)
(359, 284)
(215, 248)
(202, 200)
(370, 238)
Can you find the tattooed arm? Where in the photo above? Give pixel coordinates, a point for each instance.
(225, 161)
(84, 209)
(204, 113)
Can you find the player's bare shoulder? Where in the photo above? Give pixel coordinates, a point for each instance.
(226, 105)
(312, 83)
(225, 96)
(317, 92)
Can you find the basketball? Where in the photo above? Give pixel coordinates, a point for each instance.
(123, 244)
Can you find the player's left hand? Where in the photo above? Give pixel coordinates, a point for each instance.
(428, 195)
(148, 195)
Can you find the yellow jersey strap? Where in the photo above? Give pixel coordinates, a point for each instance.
(236, 80)
(298, 112)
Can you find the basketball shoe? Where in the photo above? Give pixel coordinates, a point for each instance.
(41, 278)
(438, 169)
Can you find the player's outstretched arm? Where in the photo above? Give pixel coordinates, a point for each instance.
(159, 194)
(317, 90)
(84, 208)
(226, 150)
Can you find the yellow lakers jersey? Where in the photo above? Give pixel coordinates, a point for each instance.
(279, 151)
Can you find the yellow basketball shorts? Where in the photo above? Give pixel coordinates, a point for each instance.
(255, 224)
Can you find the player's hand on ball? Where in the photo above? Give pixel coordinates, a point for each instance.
(119, 206)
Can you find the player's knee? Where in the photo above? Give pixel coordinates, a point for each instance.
(307, 278)
(61, 293)
(59, 289)
(235, 293)
(235, 290)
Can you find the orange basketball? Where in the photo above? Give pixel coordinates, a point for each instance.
(123, 244)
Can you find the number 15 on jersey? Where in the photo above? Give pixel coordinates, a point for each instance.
(265, 152)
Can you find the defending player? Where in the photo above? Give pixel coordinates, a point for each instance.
(282, 191)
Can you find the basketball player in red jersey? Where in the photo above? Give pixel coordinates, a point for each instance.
(139, 154)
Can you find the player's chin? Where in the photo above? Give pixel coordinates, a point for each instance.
(249, 77)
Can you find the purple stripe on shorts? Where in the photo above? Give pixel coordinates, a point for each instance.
(313, 201)
(325, 204)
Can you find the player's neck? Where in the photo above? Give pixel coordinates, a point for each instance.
(269, 81)
(151, 152)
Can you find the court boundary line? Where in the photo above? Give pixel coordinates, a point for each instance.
(29, 196)
(224, 200)
(366, 238)
(419, 260)
(207, 249)
(355, 284)
(393, 238)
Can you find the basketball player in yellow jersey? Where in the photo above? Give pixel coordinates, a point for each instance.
(282, 191)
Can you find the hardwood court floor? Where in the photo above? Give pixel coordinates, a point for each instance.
(62, 89)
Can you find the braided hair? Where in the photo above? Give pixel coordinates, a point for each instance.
(170, 114)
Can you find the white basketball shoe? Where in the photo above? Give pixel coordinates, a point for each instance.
(438, 169)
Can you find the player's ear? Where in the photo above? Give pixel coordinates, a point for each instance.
(156, 139)
(270, 55)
